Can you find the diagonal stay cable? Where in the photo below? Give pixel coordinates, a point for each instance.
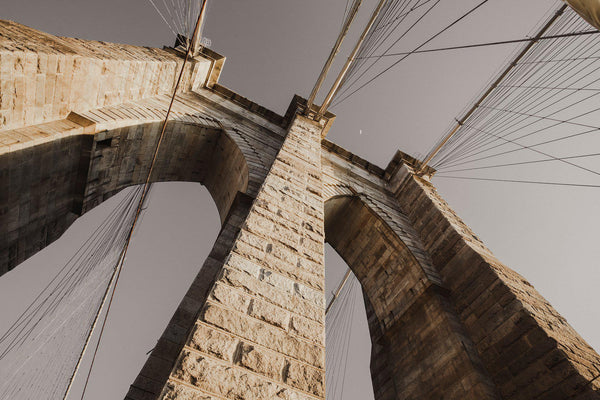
(54, 291)
(521, 149)
(357, 79)
(565, 121)
(63, 269)
(400, 16)
(163, 17)
(510, 69)
(538, 118)
(522, 117)
(472, 10)
(520, 181)
(537, 151)
(486, 44)
(521, 163)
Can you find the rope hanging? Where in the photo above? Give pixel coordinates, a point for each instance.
(486, 44)
(146, 187)
(398, 19)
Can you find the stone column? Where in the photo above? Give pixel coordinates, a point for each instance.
(260, 334)
(528, 349)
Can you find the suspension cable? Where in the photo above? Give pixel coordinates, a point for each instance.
(146, 187)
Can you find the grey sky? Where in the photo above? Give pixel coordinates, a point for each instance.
(276, 48)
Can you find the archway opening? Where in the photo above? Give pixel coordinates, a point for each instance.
(176, 233)
(371, 238)
(189, 152)
(348, 343)
(168, 258)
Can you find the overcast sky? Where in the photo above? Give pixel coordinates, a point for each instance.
(276, 48)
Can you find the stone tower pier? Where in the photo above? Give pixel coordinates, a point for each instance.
(79, 121)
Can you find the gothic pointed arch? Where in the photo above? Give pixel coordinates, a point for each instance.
(406, 304)
(62, 169)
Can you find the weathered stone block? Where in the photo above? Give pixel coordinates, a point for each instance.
(303, 377)
(260, 360)
(213, 342)
(271, 314)
(264, 334)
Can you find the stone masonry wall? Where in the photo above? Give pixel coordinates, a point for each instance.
(419, 348)
(44, 77)
(260, 334)
(55, 171)
(530, 351)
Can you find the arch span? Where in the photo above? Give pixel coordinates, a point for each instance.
(52, 183)
(410, 318)
(190, 152)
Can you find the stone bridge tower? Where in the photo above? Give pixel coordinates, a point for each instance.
(78, 122)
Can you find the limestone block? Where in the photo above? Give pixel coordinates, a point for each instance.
(269, 293)
(260, 360)
(229, 382)
(308, 329)
(264, 334)
(308, 379)
(230, 298)
(174, 391)
(213, 342)
(271, 314)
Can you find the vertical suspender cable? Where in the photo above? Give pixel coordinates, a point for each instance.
(485, 95)
(118, 269)
(93, 327)
(351, 58)
(334, 51)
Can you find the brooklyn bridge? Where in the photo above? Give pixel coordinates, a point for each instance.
(85, 122)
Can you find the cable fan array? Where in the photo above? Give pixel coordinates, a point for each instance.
(339, 331)
(179, 15)
(396, 19)
(543, 112)
(41, 350)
